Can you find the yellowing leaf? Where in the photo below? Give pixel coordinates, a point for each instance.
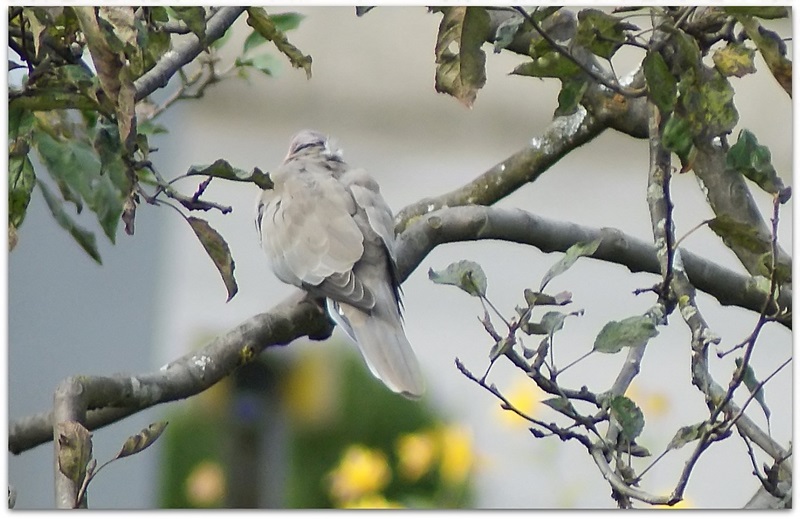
(142, 440)
(73, 449)
(735, 59)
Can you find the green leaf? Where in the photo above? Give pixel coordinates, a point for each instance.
(570, 95)
(661, 84)
(550, 323)
(737, 234)
(677, 137)
(629, 417)
(686, 58)
(460, 62)
(217, 249)
(538, 298)
(553, 321)
(222, 40)
(258, 19)
(21, 180)
(631, 332)
(735, 59)
(754, 161)
(21, 177)
(570, 257)
(765, 12)
(287, 21)
(601, 33)
(194, 18)
(547, 62)
(145, 438)
(752, 385)
(73, 450)
(84, 238)
(686, 434)
(75, 163)
(562, 405)
(253, 40)
(466, 275)
(222, 169)
(264, 63)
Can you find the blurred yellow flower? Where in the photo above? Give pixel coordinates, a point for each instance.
(684, 504)
(415, 453)
(456, 454)
(372, 501)
(205, 485)
(360, 472)
(652, 403)
(525, 396)
(308, 390)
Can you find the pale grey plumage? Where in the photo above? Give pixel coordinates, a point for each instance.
(326, 228)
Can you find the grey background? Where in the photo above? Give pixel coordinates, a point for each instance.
(372, 88)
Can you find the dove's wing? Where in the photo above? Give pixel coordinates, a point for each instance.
(309, 234)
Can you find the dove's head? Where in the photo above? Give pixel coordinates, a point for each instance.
(311, 141)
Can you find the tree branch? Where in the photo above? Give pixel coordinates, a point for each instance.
(110, 399)
(478, 222)
(158, 76)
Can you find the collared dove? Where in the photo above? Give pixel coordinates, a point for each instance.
(326, 228)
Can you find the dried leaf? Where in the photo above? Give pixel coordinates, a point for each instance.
(460, 62)
(74, 450)
(218, 251)
(145, 438)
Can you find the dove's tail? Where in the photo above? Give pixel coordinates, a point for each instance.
(384, 346)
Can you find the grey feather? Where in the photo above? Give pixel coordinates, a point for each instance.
(326, 228)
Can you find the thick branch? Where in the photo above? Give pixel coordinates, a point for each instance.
(515, 225)
(113, 398)
(109, 399)
(158, 76)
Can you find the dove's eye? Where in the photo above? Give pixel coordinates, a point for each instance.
(305, 145)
